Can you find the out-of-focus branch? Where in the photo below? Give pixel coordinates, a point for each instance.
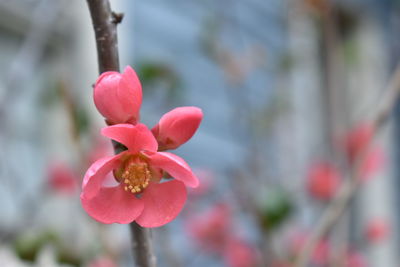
(105, 27)
(29, 54)
(350, 186)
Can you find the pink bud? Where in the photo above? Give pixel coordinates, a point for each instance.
(377, 230)
(102, 262)
(62, 179)
(323, 180)
(240, 254)
(177, 127)
(358, 139)
(355, 259)
(118, 97)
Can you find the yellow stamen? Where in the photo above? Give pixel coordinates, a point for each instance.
(136, 176)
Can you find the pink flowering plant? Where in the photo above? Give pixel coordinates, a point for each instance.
(142, 192)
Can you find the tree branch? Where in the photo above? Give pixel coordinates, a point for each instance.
(142, 247)
(350, 186)
(105, 27)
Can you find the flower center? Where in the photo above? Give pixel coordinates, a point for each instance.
(136, 176)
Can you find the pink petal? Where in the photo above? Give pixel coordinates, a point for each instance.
(177, 126)
(130, 93)
(113, 205)
(373, 162)
(358, 139)
(323, 180)
(175, 166)
(134, 137)
(118, 96)
(162, 203)
(62, 179)
(96, 174)
(240, 254)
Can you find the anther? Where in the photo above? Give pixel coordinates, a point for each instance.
(136, 176)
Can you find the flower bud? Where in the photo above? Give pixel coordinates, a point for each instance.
(118, 97)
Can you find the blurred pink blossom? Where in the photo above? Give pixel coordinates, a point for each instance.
(358, 139)
(240, 254)
(355, 259)
(372, 163)
(377, 230)
(211, 229)
(320, 255)
(323, 180)
(102, 262)
(62, 179)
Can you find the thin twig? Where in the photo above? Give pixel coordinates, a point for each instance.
(105, 27)
(350, 186)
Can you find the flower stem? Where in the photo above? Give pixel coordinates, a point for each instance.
(142, 247)
(105, 28)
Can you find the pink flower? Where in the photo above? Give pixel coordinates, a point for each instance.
(373, 161)
(62, 179)
(177, 126)
(240, 254)
(323, 180)
(102, 262)
(320, 255)
(377, 230)
(118, 97)
(355, 259)
(358, 139)
(139, 195)
(212, 228)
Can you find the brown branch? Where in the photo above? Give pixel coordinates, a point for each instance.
(105, 27)
(105, 30)
(341, 201)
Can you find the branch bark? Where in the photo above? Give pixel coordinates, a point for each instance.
(341, 201)
(105, 27)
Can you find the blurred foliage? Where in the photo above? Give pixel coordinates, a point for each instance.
(155, 74)
(274, 209)
(28, 247)
(57, 92)
(81, 120)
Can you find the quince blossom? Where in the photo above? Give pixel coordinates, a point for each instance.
(177, 127)
(323, 180)
(118, 97)
(140, 194)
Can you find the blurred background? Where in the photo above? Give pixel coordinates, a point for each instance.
(285, 87)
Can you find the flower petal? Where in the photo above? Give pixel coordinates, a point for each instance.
(175, 166)
(134, 137)
(106, 98)
(96, 174)
(162, 203)
(177, 126)
(130, 93)
(113, 205)
(118, 97)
